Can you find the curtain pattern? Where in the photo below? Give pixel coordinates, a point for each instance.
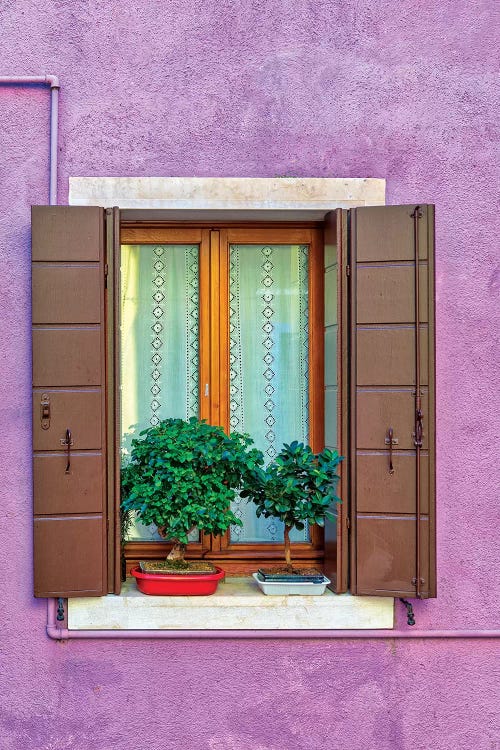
(268, 360)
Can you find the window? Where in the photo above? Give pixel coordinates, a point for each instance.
(378, 386)
(225, 324)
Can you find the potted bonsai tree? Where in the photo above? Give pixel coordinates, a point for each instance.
(182, 476)
(297, 487)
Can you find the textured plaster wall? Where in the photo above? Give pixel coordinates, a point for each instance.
(403, 91)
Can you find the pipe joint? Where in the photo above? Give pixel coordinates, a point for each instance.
(57, 634)
(53, 81)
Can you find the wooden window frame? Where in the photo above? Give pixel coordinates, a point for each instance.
(214, 240)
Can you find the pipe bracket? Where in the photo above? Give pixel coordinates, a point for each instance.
(60, 609)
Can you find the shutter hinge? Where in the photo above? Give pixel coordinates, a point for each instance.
(348, 523)
(348, 270)
(106, 270)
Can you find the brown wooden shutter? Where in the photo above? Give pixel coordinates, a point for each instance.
(74, 505)
(393, 506)
(336, 389)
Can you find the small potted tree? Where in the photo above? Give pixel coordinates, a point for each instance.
(297, 487)
(182, 476)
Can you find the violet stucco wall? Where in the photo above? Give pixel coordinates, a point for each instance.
(403, 91)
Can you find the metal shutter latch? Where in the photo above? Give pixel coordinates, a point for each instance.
(45, 411)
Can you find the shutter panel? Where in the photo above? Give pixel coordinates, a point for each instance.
(393, 507)
(336, 384)
(72, 506)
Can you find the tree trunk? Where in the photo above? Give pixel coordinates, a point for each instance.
(178, 551)
(288, 556)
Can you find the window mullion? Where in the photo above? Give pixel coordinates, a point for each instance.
(205, 326)
(215, 320)
(224, 330)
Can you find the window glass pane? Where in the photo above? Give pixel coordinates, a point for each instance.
(159, 341)
(268, 361)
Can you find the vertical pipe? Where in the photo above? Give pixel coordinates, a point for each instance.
(54, 122)
(418, 402)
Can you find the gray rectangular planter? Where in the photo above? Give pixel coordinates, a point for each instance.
(285, 588)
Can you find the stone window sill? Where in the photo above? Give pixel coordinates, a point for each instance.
(237, 605)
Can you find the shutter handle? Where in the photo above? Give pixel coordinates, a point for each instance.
(391, 438)
(68, 442)
(390, 441)
(419, 429)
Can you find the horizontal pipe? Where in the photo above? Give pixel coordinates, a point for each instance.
(53, 82)
(57, 633)
(65, 634)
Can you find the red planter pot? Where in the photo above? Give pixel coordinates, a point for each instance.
(190, 584)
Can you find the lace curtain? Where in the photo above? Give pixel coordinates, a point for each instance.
(268, 333)
(159, 341)
(268, 351)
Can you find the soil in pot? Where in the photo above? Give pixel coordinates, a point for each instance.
(290, 575)
(177, 567)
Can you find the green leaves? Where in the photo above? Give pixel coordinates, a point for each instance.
(298, 486)
(185, 474)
